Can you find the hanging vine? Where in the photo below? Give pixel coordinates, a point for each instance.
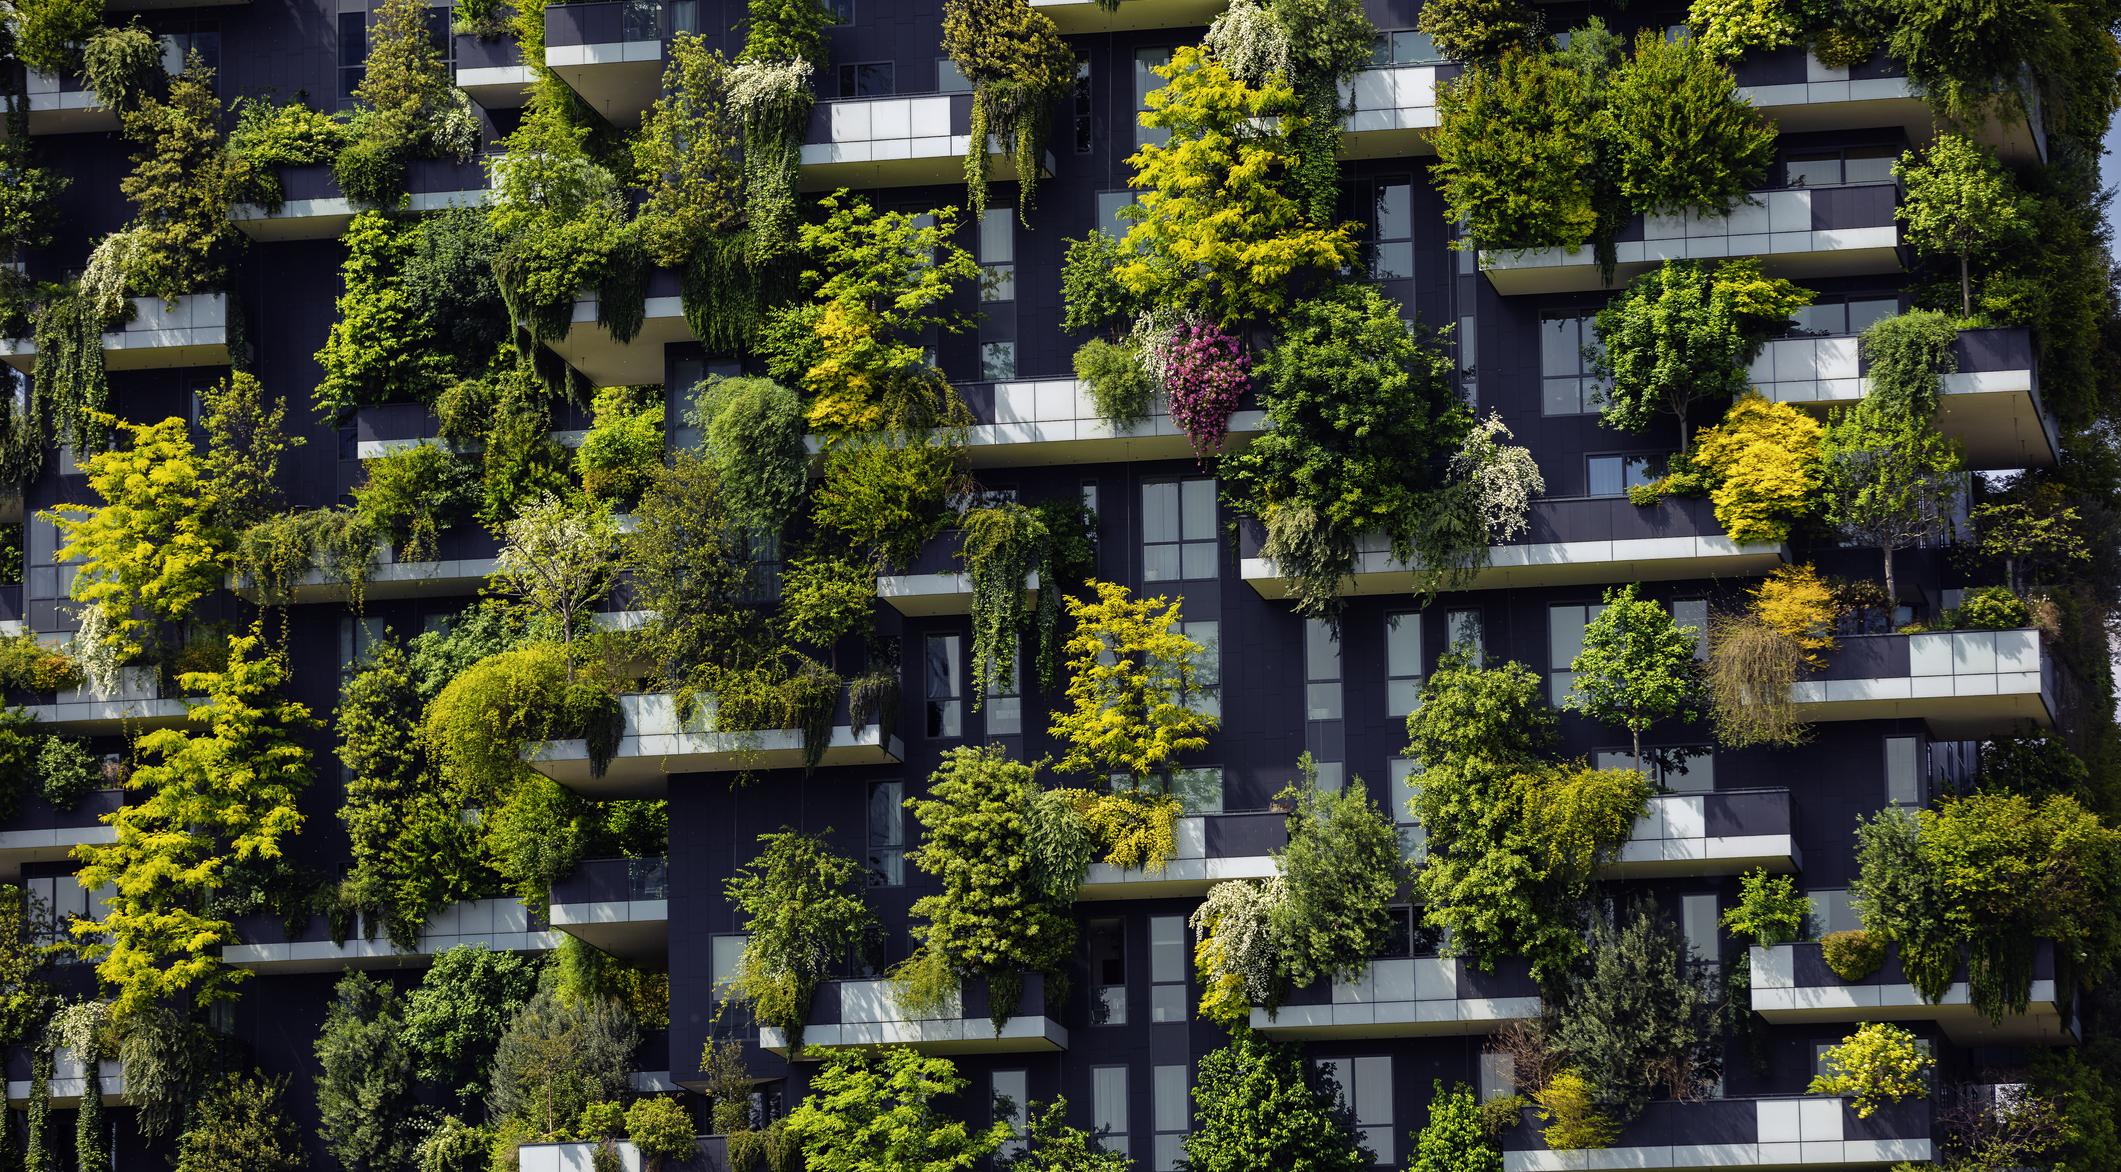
(1020, 68)
(769, 90)
(1003, 547)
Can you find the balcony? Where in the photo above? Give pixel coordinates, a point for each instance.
(1721, 833)
(866, 1013)
(1966, 684)
(1405, 998)
(611, 53)
(313, 208)
(936, 583)
(619, 905)
(1211, 848)
(1807, 1132)
(1795, 232)
(907, 141)
(1035, 422)
(1792, 983)
(68, 1079)
(1792, 87)
(499, 924)
(590, 348)
(63, 104)
(464, 558)
(1579, 541)
(380, 429)
(140, 702)
(1090, 16)
(492, 72)
(1392, 109)
(39, 833)
(1991, 405)
(576, 1156)
(657, 744)
(191, 332)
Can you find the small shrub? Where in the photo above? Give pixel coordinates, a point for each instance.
(1853, 955)
(1120, 386)
(661, 1130)
(1761, 468)
(67, 771)
(1769, 910)
(1796, 602)
(1989, 608)
(624, 445)
(122, 64)
(1880, 1063)
(1569, 1109)
(371, 167)
(29, 666)
(1136, 829)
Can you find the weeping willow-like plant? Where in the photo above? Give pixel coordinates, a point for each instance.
(1019, 68)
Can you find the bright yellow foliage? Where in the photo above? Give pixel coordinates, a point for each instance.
(1796, 602)
(1136, 829)
(1131, 673)
(1762, 462)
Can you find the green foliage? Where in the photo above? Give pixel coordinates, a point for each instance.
(1683, 333)
(1340, 873)
(28, 665)
(2080, 1080)
(1852, 955)
(753, 435)
(558, 1056)
(560, 221)
(1880, 1063)
(479, 724)
(1988, 608)
(67, 772)
(1889, 480)
(1131, 829)
(365, 1076)
(1514, 837)
(1132, 674)
(878, 1112)
(660, 1130)
(1513, 144)
(623, 447)
(378, 349)
(1121, 387)
(1969, 60)
(1020, 70)
(785, 30)
(1636, 667)
(1479, 30)
(40, 1154)
(1769, 910)
(825, 598)
(884, 500)
(122, 64)
(1455, 1139)
(1761, 465)
(803, 916)
(686, 156)
(181, 186)
(561, 558)
(215, 796)
(1958, 201)
(269, 135)
(406, 107)
(1681, 136)
(784, 42)
(1568, 1107)
(48, 33)
(1729, 29)
(455, 1018)
(2032, 529)
(1216, 231)
(1091, 296)
(1906, 358)
(693, 567)
(167, 1060)
(1051, 1145)
(245, 442)
(1641, 1021)
(1750, 669)
(1259, 1104)
(240, 1127)
(410, 496)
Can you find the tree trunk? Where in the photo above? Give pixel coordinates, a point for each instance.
(1892, 590)
(1966, 289)
(1638, 750)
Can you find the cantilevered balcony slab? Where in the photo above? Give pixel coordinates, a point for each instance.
(1091, 16)
(607, 362)
(192, 331)
(1801, 93)
(1392, 110)
(499, 924)
(1571, 542)
(1991, 405)
(1721, 833)
(619, 905)
(1792, 983)
(1785, 1132)
(1418, 997)
(936, 583)
(313, 208)
(383, 428)
(1795, 232)
(657, 743)
(1965, 684)
(611, 53)
(867, 1013)
(41, 833)
(139, 702)
(68, 1082)
(462, 561)
(64, 104)
(492, 73)
(1025, 423)
(1211, 848)
(905, 141)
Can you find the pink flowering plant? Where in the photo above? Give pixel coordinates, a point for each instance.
(1205, 372)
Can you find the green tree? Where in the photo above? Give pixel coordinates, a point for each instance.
(455, 1018)
(1880, 1063)
(559, 1056)
(686, 156)
(1020, 70)
(1642, 1018)
(877, 1112)
(623, 447)
(1455, 1139)
(182, 185)
(1514, 145)
(1681, 136)
(1762, 467)
(365, 1090)
(803, 916)
(217, 795)
(753, 433)
(1215, 230)
(1636, 667)
(1259, 1104)
(376, 349)
(1133, 677)
(1478, 31)
(240, 1127)
(1340, 873)
(245, 442)
(1769, 910)
(1682, 334)
(1888, 480)
(1051, 1145)
(1958, 201)
(2033, 530)
(1970, 58)
(560, 558)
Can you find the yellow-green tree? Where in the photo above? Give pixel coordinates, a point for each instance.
(1133, 676)
(1762, 465)
(1217, 229)
(207, 797)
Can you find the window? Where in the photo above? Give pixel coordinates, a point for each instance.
(353, 53)
(997, 361)
(1167, 969)
(1208, 669)
(1829, 168)
(1085, 124)
(1903, 776)
(1498, 1076)
(1402, 662)
(1178, 530)
(842, 11)
(1832, 911)
(1173, 1108)
(1105, 943)
(1694, 612)
(1385, 210)
(1679, 770)
(1697, 921)
(1568, 385)
(997, 254)
(1565, 624)
(1005, 699)
(1009, 1097)
(1468, 348)
(1108, 1107)
(1413, 836)
(949, 79)
(56, 901)
(1465, 632)
(1108, 219)
(1200, 790)
(945, 688)
(1837, 317)
(1321, 671)
(1146, 82)
(1404, 47)
(725, 955)
(867, 79)
(180, 42)
(1366, 1087)
(1615, 475)
(887, 834)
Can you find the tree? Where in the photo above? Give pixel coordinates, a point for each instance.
(1020, 70)
(1958, 201)
(182, 185)
(1478, 31)
(365, 1090)
(1340, 873)
(1636, 668)
(877, 1113)
(1642, 1018)
(559, 1056)
(1259, 1104)
(1970, 58)
(1682, 137)
(803, 916)
(1769, 910)
(1889, 480)
(2033, 530)
(1215, 231)
(1132, 679)
(1880, 1063)
(151, 551)
(1514, 143)
(753, 433)
(218, 795)
(1455, 1139)
(687, 156)
(1683, 333)
(239, 1127)
(559, 558)
(1051, 1145)
(245, 442)
(455, 1018)
(1762, 466)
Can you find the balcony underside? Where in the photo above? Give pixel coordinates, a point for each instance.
(64, 1093)
(1713, 856)
(644, 763)
(1074, 17)
(1409, 135)
(943, 1037)
(2011, 703)
(497, 87)
(619, 80)
(18, 847)
(1091, 441)
(919, 162)
(1797, 255)
(1704, 1157)
(931, 595)
(1572, 563)
(2043, 1023)
(635, 930)
(140, 350)
(70, 113)
(589, 348)
(1395, 1019)
(1994, 415)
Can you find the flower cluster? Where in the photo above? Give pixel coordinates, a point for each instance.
(1205, 372)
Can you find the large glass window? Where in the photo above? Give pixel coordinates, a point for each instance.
(887, 833)
(1322, 696)
(1903, 771)
(1466, 632)
(1146, 82)
(1366, 1088)
(1178, 529)
(1108, 1108)
(1105, 943)
(1167, 969)
(868, 79)
(1840, 316)
(1830, 168)
(1174, 1110)
(1005, 699)
(725, 955)
(1697, 921)
(1009, 1093)
(997, 254)
(1568, 385)
(1402, 662)
(1208, 668)
(945, 686)
(1615, 475)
